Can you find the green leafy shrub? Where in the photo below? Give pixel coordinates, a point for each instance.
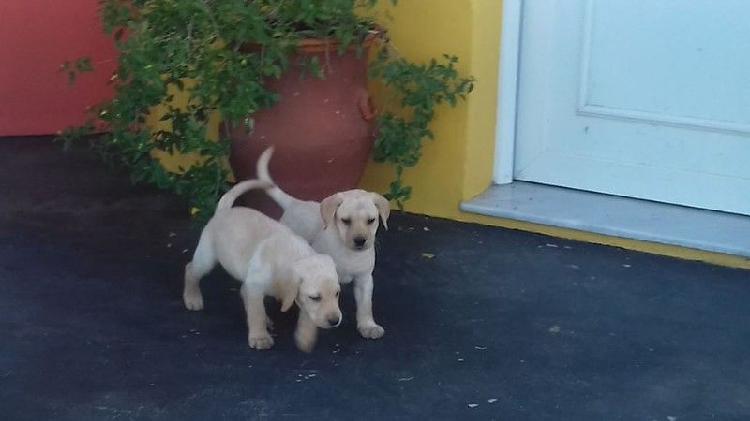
(197, 48)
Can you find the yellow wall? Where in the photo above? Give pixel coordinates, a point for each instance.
(175, 162)
(457, 164)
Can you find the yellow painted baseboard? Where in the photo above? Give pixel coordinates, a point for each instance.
(719, 259)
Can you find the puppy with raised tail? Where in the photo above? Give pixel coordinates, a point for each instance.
(269, 259)
(343, 226)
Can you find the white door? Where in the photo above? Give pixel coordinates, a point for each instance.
(639, 98)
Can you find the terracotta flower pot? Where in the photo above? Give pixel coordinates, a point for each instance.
(321, 129)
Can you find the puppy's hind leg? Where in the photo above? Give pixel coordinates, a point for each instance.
(203, 261)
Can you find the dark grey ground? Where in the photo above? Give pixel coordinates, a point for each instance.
(481, 323)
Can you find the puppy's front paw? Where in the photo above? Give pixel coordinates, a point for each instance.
(373, 331)
(193, 301)
(305, 340)
(260, 342)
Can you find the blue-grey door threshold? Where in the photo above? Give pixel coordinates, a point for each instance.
(623, 217)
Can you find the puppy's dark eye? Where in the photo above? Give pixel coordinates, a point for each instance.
(346, 221)
(315, 298)
(337, 294)
(370, 221)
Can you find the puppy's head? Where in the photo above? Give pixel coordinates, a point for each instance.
(354, 216)
(315, 290)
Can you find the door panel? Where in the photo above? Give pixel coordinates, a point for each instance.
(640, 98)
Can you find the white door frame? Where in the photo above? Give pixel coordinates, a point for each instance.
(505, 121)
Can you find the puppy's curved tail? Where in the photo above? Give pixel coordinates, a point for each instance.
(281, 197)
(227, 200)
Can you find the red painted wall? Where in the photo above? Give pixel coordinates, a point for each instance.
(36, 37)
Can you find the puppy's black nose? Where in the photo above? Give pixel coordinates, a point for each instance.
(359, 241)
(334, 320)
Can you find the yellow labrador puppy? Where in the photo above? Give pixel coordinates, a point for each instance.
(343, 226)
(269, 259)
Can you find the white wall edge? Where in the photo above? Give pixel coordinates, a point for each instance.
(505, 126)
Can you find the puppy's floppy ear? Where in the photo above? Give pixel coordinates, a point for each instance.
(384, 208)
(328, 208)
(289, 290)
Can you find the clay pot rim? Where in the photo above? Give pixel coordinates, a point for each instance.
(322, 45)
(319, 45)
